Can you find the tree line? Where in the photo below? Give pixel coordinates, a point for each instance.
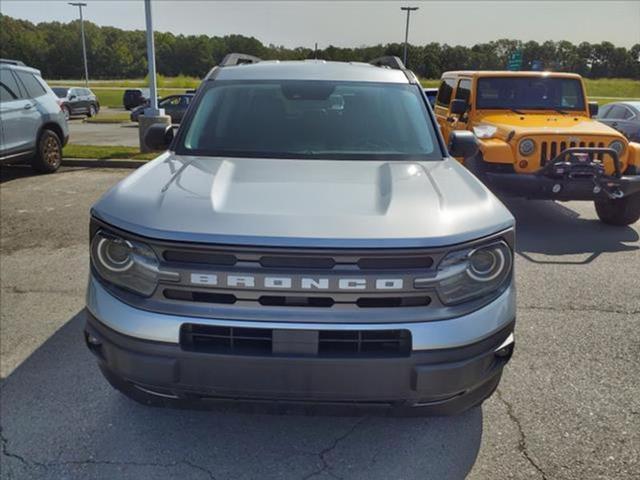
(55, 48)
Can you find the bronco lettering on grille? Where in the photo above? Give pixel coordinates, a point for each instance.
(299, 283)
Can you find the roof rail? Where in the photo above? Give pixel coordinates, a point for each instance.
(233, 59)
(388, 62)
(12, 62)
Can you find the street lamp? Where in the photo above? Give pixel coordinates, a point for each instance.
(406, 33)
(84, 45)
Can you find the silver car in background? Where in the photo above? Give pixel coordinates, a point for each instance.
(33, 127)
(307, 237)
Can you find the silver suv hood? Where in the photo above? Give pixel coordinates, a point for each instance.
(307, 203)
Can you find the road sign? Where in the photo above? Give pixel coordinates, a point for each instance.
(515, 61)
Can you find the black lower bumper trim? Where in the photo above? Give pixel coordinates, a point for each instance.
(439, 381)
(544, 187)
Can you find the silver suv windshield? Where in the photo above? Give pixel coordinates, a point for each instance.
(311, 119)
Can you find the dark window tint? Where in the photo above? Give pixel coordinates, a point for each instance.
(464, 90)
(8, 86)
(31, 84)
(60, 91)
(533, 93)
(444, 92)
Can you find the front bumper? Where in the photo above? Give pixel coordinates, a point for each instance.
(576, 173)
(543, 187)
(446, 372)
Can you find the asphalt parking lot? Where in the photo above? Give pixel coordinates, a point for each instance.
(568, 406)
(118, 134)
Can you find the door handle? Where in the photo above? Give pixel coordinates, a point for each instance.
(28, 106)
(614, 124)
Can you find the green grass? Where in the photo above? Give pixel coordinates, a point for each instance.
(105, 152)
(117, 117)
(110, 92)
(179, 82)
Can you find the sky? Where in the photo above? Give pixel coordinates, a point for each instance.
(358, 23)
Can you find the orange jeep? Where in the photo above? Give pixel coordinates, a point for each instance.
(537, 139)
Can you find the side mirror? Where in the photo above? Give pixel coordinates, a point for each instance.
(593, 109)
(72, 97)
(459, 107)
(462, 144)
(158, 137)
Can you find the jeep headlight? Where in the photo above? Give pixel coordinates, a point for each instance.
(129, 264)
(618, 146)
(527, 146)
(484, 131)
(467, 274)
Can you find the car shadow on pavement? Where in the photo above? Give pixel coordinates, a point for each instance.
(60, 419)
(552, 229)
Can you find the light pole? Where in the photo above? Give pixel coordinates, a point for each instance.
(151, 62)
(406, 32)
(152, 114)
(84, 45)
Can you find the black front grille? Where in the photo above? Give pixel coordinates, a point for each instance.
(381, 343)
(549, 150)
(330, 343)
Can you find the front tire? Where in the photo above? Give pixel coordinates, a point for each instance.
(92, 111)
(48, 155)
(620, 211)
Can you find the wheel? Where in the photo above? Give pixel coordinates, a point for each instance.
(67, 112)
(92, 110)
(48, 155)
(620, 211)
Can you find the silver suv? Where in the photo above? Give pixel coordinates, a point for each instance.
(308, 237)
(33, 127)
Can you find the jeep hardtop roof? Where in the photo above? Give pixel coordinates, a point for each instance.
(508, 73)
(311, 70)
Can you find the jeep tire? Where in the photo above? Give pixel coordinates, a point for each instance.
(620, 211)
(48, 156)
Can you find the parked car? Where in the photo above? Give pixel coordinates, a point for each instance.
(174, 105)
(77, 101)
(431, 94)
(132, 97)
(538, 140)
(308, 238)
(624, 117)
(33, 127)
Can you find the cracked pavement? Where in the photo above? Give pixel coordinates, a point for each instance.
(568, 406)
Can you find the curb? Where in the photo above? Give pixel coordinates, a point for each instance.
(107, 163)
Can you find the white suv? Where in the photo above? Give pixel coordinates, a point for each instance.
(33, 127)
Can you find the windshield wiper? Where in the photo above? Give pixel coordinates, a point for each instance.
(560, 111)
(515, 110)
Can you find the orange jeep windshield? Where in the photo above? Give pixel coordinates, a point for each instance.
(530, 93)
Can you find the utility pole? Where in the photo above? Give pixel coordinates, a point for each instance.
(84, 43)
(406, 32)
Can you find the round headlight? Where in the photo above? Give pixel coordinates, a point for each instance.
(486, 264)
(129, 264)
(618, 146)
(527, 146)
(114, 253)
